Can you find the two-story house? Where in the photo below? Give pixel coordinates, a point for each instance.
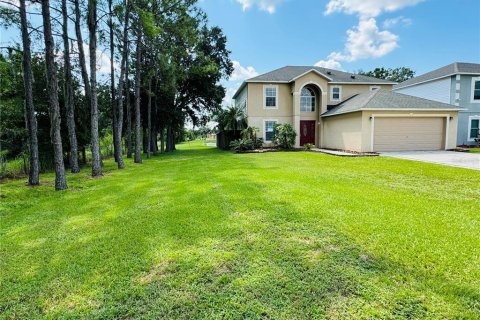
(457, 84)
(341, 110)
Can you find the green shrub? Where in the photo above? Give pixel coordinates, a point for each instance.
(284, 137)
(258, 143)
(13, 168)
(251, 133)
(106, 145)
(242, 145)
(308, 146)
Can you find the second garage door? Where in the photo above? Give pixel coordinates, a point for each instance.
(409, 134)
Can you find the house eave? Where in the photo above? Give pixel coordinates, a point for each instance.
(363, 82)
(392, 109)
(244, 83)
(435, 79)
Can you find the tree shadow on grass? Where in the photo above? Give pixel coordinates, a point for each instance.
(206, 244)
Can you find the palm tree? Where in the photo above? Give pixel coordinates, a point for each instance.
(232, 119)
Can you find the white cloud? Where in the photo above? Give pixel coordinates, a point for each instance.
(103, 60)
(330, 64)
(390, 23)
(366, 40)
(264, 5)
(231, 89)
(367, 8)
(241, 73)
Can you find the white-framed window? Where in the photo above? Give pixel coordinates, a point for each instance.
(475, 89)
(373, 88)
(269, 129)
(270, 97)
(473, 127)
(336, 93)
(307, 100)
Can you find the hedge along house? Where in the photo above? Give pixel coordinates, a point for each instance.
(329, 109)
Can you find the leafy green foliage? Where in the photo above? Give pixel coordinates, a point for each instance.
(308, 146)
(242, 144)
(396, 75)
(232, 118)
(252, 134)
(284, 136)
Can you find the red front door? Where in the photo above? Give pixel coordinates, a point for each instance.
(307, 132)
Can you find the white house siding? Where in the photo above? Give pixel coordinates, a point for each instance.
(437, 90)
(241, 100)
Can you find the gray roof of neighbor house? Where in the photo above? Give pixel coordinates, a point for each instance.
(446, 71)
(387, 100)
(290, 73)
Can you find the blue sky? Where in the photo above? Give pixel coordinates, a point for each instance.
(341, 34)
(346, 34)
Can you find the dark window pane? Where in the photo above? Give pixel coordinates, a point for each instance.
(269, 136)
(477, 85)
(271, 102)
(474, 133)
(476, 94)
(475, 123)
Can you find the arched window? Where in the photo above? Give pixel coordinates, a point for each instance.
(307, 100)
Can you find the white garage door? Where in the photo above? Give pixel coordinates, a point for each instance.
(409, 134)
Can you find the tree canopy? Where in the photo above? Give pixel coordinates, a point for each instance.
(167, 65)
(397, 74)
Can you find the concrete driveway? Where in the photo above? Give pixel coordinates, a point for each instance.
(448, 158)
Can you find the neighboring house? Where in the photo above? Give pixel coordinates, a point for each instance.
(457, 84)
(340, 110)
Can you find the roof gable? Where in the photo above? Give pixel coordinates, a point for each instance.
(312, 71)
(446, 71)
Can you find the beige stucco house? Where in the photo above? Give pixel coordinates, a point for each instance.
(340, 110)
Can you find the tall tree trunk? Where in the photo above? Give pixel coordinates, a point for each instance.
(173, 139)
(170, 138)
(129, 115)
(112, 83)
(121, 86)
(81, 52)
(149, 119)
(138, 137)
(167, 139)
(54, 108)
(95, 139)
(155, 126)
(33, 175)
(68, 91)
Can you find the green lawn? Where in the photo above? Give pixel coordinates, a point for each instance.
(475, 150)
(206, 234)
